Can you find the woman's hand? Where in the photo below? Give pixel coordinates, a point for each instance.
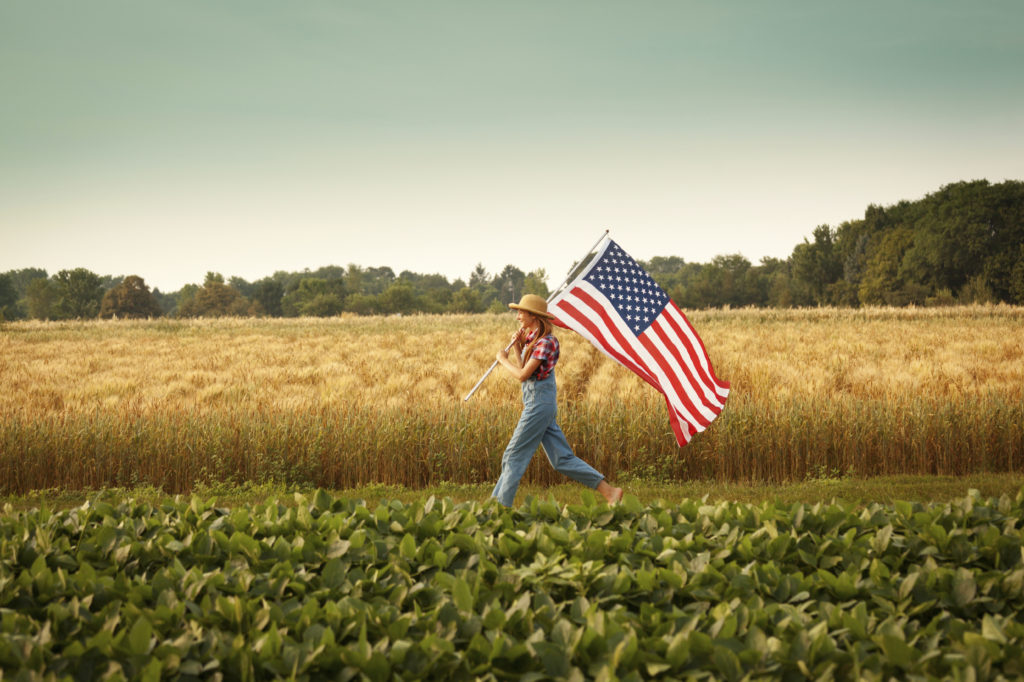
(517, 336)
(514, 341)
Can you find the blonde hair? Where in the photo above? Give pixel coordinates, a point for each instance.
(546, 329)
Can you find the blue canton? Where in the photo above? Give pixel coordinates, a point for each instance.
(634, 295)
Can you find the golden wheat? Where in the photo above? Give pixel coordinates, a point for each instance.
(352, 400)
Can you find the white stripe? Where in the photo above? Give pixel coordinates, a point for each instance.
(708, 389)
(705, 362)
(699, 401)
(706, 405)
(646, 359)
(606, 339)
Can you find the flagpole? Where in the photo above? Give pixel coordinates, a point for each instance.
(551, 296)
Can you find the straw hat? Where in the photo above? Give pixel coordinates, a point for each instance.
(534, 304)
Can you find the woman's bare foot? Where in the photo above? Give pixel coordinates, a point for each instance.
(611, 495)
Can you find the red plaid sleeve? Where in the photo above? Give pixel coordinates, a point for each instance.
(546, 351)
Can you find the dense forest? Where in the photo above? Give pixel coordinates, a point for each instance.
(961, 244)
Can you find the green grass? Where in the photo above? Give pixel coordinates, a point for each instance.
(882, 489)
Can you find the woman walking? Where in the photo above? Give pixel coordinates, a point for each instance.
(536, 352)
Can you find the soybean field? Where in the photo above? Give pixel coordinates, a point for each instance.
(329, 587)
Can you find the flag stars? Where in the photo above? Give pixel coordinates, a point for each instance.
(630, 290)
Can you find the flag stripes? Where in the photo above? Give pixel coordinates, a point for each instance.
(616, 306)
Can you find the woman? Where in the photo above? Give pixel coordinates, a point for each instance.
(536, 352)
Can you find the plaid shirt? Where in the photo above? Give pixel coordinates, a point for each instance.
(546, 351)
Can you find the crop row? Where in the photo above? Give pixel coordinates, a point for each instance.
(334, 587)
(351, 401)
(424, 445)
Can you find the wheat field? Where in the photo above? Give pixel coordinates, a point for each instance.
(348, 401)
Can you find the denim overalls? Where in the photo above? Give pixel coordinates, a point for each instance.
(537, 426)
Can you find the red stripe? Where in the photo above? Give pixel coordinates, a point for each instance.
(684, 430)
(673, 379)
(580, 318)
(675, 386)
(712, 378)
(673, 345)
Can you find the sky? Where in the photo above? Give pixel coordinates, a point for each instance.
(170, 139)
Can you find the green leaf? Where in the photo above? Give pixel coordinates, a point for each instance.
(964, 588)
(880, 542)
(907, 586)
(700, 643)
(407, 547)
(322, 500)
(656, 669)
(990, 629)
(139, 637)
(151, 673)
(244, 544)
(555, 659)
(898, 651)
(631, 504)
(1013, 583)
(727, 663)
(462, 595)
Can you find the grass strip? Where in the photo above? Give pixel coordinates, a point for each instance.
(881, 489)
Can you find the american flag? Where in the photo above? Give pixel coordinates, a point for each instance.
(616, 306)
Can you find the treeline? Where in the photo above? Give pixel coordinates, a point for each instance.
(328, 291)
(962, 244)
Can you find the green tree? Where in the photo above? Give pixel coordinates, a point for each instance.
(480, 281)
(130, 299)
(724, 281)
(816, 265)
(362, 304)
(882, 283)
(977, 290)
(376, 280)
(354, 279)
(266, 298)
(663, 265)
(778, 283)
(41, 299)
(509, 284)
(184, 298)
(244, 287)
(536, 283)
(433, 292)
(215, 299)
(1016, 283)
(315, 297)
(323, 305)
(399, 297)
(79, 293)
(168, 302)
(21, 278)
(479, 277)
(467, 300)
(8, 298)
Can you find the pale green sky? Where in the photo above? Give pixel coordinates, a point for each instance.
(166, 139)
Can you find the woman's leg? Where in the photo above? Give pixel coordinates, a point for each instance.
(525, 439)
(565, 461)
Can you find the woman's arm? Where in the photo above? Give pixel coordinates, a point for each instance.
(521, 373)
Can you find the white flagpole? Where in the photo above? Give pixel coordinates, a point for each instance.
(551, 296)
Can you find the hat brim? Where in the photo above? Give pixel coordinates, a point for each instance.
(516, 306)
